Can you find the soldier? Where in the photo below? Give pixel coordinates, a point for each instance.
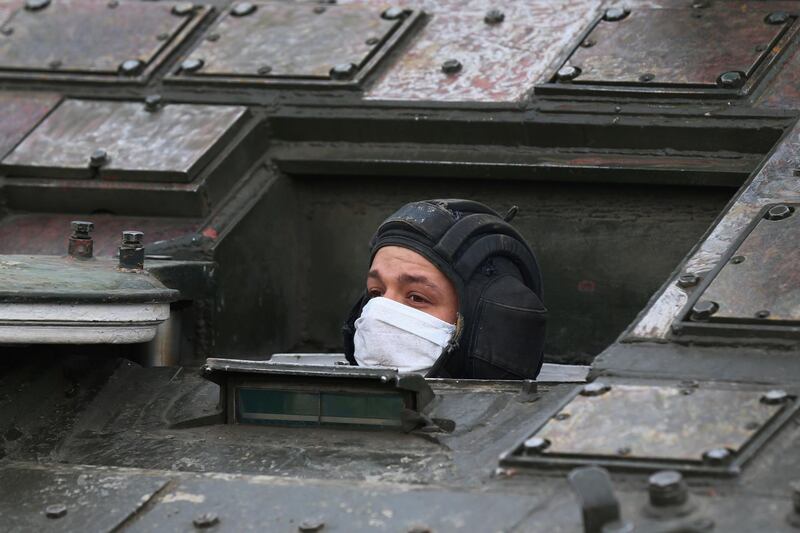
(453, 290)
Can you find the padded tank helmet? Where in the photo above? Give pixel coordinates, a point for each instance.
(501, 318)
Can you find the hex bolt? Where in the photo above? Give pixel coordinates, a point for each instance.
(666, 488)
(567, 73)
(393, 13)
(36, 5)
(452, 66)
(615, 13)
(536, 445)
(310, 526)
(80, 244)
(646, 77)
(717, 456)
(596, 388)
(152, 102)
(191, 65)
(529, 386)
(775, 397)
(183, 9)
(779, 212)
(764, 313)
(494, 16)
(731, 80)
(777, 17)
(688, 280)
(131, 67)
(56, 510)
(206, 520)
(372, 41)
(343, 71)
(264, 70)
(242, 9)
(99, 158)
(738, 259)
(703, 310)
(131, 251)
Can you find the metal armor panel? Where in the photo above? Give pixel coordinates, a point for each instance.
(21, 112)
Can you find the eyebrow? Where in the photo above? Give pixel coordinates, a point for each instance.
(407, 279)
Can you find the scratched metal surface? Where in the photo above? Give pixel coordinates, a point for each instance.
(20, 112)
(676, 46)
(774, 183)
(87, 36)
(783, 91)
(501, 63)
(171, 144)
(651, 422)
(766, 279)
(292, 40)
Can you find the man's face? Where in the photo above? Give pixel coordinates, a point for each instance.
(406, 277)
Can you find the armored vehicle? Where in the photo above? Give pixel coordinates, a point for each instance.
(187, 189)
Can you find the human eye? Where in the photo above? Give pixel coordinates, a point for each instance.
(418, 298)
(374, 292)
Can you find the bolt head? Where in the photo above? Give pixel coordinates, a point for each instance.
(55, 64)
(494, 16)
(777, 17)
(536, 444)
(264, 70)
(647, 77)
(132, 237)
(562, 416)
(343, 71)
(717, 455)
(152, 102)
(372, 41)
(81, 226)
(703, 310)
(55, 511)
(191, 65)
(452, 66)
(567, 73)
(183, 9)
(688, 280)
(665, 479)
(113, 4)
(738, 259)
(242, 9)
(131, 67)
(310, 526)
(615, 13)
(764, 313)
(393, 13)
(595, 388)
(319, 10)
(775, 397)
(36, 5)
(731, 80)
(666, 488)
(98, 158)
(206, 520)
(779, 212)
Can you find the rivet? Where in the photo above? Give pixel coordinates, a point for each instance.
(183, 9)
(595, 388)
(55, 511)
(319, 10)
(536, 444)
(562, 416)
(737, 259)
(131, 67)
(152, 102)
(624, 450)
(242, 9)
(264, 70)
(703, 310)
(615, 13)
(762, 314)
(731, 80)
(775, 397)
(206, 520)
(567, 73)
(688, 280)
(372, 41)
(55, 64)
(717, 456)
(36, 5)
(777, 17)
(98, 158)
(393, 13)
(647, 76)
(666, 488)
(494, 16)
(588, 43)
(191, 65)
(452, 66)
(162, 36)
(779, 212)
(343, 71)
(384, 379)
(212, 37)
(132, 237)
(310, 526)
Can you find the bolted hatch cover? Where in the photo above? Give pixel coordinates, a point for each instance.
(718, 46)
(267, 42)
(125, 140)
(755, 290)
(686, 427)
(90, 40)
(21, 111)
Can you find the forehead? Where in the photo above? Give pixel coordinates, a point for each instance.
(396, 260)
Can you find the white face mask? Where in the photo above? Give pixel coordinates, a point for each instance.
(391, 334)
